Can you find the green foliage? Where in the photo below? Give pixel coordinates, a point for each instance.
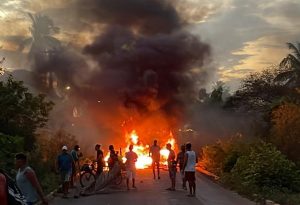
(267, 167)
(265, 172)
(50, 144)
(22, 113)
(258, 92)
(221, 156)
(9, 147)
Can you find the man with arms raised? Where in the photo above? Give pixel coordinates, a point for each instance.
(131, 158)
(190, 161)
(154, 153)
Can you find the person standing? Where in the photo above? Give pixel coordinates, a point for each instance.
(190, 161)
(154, 153)
(75, 165)
(3, 189)
(180, 161)
(99, 159)
(113, 157)
(131, 158)
(27, 181)
(64, 164)
(171, 167)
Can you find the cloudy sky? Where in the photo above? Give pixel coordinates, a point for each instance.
(245, 36)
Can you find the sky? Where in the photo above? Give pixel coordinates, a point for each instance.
(245, 35)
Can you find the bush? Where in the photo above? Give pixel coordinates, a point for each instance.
(221, 157)
(265, 171)
(286, 130)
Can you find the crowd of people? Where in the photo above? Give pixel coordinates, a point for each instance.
(68, 166)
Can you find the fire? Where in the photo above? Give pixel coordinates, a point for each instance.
(144, 160)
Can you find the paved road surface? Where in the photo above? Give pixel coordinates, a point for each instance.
(152, 192)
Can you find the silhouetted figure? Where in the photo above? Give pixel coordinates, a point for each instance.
(190, 161)
(131, 158)
(154, 153)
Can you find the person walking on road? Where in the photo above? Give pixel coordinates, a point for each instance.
(27, 181)
(154, 153)
(171, 167)
(64, 164)
(190, 161)
(99, 159)
(131, 158)
(180, 161)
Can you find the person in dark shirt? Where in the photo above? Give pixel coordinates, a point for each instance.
(75, 165)
(113, 157)
(64, 164)
(99, 159)
(180, 161)
(171, 167)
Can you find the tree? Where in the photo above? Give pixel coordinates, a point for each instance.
(258, 92)
(41, 39)
(285, 133)
(22, 113)
(219, 93)
(291, 76)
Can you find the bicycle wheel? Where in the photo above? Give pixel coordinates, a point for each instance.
(118, 179)
(87, 178)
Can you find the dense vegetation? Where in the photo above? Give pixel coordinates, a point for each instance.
(265, 166)
(23, 128)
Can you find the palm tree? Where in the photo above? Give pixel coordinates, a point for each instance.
(291, 65)
(41, 39)
(2, 70)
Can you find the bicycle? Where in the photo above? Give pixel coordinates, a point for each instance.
(88, 175)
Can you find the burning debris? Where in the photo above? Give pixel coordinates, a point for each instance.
(142, 150)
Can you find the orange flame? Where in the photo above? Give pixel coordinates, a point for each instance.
(144, 160)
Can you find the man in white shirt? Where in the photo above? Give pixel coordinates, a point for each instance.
(190, 161)
(131, 158)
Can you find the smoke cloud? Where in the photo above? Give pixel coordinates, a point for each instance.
(141, 71)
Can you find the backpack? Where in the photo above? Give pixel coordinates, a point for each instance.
(14, 195)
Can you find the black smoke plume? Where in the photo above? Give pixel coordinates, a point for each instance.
(147, 64)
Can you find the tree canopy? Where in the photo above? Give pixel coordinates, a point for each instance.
(22, 112)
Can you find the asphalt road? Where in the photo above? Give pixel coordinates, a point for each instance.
(152, 192)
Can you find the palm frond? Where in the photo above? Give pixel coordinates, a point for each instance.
(32, 18)
(52, 42)
(284, 76)
(294, 49)
(292, 81)
(25, 43)
(290, 62)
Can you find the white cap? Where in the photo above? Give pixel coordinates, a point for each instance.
(64, 147)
